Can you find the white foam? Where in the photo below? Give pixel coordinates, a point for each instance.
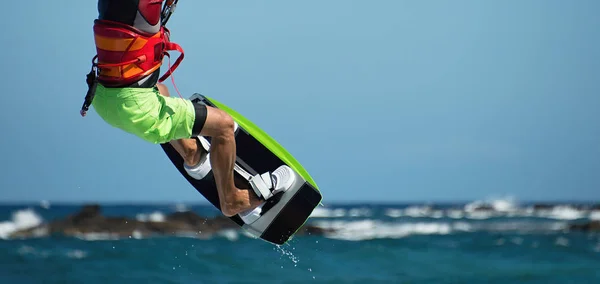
(437, 214)
(152, 217)
(320, 212)
(136, 234)
(507, 204)
(394, 213)
(97, 236)
(463, 226)
(231, 235)
(480, 215)
(595, 215)
(359, 212)
(21, 220)
(562, 212)
(456, 214)
(372, 229)
(417, 211)
(77, 254)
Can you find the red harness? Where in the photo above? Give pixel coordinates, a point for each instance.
(126, 55)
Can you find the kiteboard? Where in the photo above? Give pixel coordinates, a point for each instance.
(258, 153)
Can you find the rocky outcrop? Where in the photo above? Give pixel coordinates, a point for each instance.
(90, 220)
(591, 226)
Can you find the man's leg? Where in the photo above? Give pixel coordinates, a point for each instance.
(220, 126)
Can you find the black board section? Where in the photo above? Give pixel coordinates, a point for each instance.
(293, 215)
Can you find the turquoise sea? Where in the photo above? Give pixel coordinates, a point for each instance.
(372, 243)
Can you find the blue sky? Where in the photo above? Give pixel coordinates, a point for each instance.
(384, 100)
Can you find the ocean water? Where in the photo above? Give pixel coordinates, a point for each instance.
(372, 243)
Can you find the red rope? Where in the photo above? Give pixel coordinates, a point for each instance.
(173, 79)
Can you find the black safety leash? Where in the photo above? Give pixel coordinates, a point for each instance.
(92, 81)
(168, 10)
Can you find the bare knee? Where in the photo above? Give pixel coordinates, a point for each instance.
(190, 152)
(188, 149)
(225, 125)
(218, 124)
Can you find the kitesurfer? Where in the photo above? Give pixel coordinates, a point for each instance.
(126, 90)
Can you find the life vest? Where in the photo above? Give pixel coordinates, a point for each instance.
(126, 54)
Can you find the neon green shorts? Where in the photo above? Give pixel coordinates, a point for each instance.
(149, 115)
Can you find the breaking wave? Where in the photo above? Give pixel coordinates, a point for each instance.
(21, 220)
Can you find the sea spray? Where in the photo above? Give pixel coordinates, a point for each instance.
(287, 253)
(21, 220)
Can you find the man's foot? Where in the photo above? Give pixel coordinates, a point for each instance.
(266, 186)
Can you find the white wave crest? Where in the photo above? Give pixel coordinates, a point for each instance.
(359, 212)
(595, 215)
(327, 213)
(371, 229)
(98, 236)
(506, 204)
(152, 217)
(562, 212)
(21, 220)
(394, 213)
(375, 229)
(415, 212)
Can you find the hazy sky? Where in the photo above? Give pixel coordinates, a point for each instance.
(380, 100)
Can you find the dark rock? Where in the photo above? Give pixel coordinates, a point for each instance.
(484, 207)
(543, 206)
(591, 226)
(90, 220)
